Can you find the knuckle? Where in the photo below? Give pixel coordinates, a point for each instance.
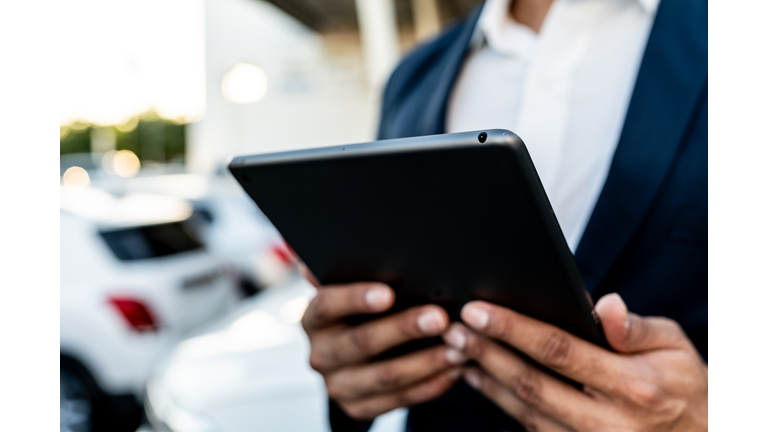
(643, 394)
(335, 391)
(556, 350)
(387, 377)
(316, 361)
(356, 411)
(527, 387)
(361, 340)
(596, 366)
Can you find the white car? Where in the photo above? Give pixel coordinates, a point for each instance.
(248, 371)
(134, 281)
(231, 225)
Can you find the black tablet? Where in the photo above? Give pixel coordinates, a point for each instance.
(443, 219)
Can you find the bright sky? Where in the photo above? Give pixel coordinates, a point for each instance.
(119, 58)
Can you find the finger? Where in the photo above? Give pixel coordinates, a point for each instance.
(629, 333)
(308, 275)
(338, 301)
(369, 379)
(371, 407)
(547, 344)
(335, 348)
(533, 387)
(531, 418)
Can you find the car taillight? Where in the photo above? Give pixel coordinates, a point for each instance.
(135, 312)
(284, 253)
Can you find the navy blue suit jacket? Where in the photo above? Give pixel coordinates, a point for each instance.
(647, 236)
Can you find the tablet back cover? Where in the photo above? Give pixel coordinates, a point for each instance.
(442, 219)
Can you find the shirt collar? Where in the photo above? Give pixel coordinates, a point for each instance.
(650, 6)
(494, 27)
(494, 17)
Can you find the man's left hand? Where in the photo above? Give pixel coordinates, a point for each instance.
(655, 380)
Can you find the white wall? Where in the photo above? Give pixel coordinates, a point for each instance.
(314, 98)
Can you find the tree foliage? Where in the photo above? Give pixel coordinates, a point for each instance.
(149, 136)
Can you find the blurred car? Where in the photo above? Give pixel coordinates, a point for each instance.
(230, 224)
(135, 279)
(236, 230)
(247, 371)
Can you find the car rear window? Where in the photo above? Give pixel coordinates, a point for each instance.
(151, 241)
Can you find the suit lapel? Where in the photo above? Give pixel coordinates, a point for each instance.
(445, 76)
(425, 110)
(670, 85)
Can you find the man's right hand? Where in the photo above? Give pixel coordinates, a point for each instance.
(342, 353)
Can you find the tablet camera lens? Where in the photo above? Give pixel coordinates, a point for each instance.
(482, 137)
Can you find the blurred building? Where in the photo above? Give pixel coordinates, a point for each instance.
(286, 74)
(200, 80)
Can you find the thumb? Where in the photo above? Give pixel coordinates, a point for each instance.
(629, 333)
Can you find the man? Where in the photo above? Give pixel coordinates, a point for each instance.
(610, 97)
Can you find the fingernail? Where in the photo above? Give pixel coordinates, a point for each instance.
(455, 356)
(472, 377)
(378, 297)
(604, 305)
(475, 316)
(431, 322)
(455, 338)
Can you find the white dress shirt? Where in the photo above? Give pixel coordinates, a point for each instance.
(564, 91)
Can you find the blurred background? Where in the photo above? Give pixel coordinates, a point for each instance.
(180, 303)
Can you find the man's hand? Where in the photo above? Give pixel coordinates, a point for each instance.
(655, 381)
(342, 353)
